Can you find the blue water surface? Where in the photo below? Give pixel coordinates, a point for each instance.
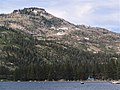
(58, 86)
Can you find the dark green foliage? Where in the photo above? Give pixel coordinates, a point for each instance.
(22, 57)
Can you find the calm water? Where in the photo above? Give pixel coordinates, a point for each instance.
(58, 86)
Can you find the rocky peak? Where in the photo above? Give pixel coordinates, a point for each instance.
(30, 11)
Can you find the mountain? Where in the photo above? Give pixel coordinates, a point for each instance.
(44, 26)
(35, 45)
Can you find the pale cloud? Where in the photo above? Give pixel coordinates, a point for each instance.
(74, 13)
(84, 9)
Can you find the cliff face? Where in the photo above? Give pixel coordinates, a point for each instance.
(44, 26)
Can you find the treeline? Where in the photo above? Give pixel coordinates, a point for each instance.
(70, 70)
(24, 58)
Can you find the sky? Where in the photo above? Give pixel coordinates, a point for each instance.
(96, 13)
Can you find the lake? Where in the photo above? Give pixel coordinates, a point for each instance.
(58, 86)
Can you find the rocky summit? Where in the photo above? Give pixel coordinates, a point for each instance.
(44, 26)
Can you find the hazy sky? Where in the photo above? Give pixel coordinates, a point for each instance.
(100, 13)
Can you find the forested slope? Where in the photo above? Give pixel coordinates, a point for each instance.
(23, 57)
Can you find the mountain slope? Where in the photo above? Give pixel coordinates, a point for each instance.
(23, 57)
(44, 26)
(35, 45)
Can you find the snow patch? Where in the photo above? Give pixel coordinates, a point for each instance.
(86, 38)
(63, 28)
(52, 28)
(60, 33)
(35, 11)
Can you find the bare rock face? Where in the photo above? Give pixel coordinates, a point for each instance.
(44, 26)
(29, 10)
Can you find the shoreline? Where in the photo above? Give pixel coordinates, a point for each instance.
(61, 81)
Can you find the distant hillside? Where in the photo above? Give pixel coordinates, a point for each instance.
(44, 26)
(35, 45)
